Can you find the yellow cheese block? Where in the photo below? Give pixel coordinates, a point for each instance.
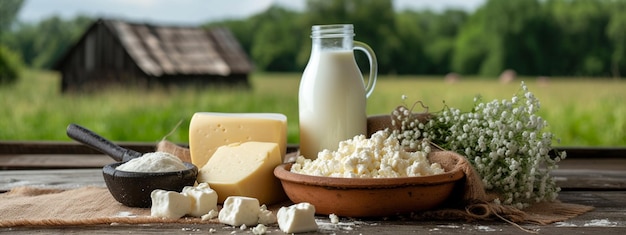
(208, 131)
(244, 169)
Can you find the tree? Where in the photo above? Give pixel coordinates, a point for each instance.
(10, 62)
(8, 12)
(512, 25)
(441, 31)
(373, 21)
(616, 33)
(272, 38)
(10, 66)
(410, 58)
(41, 44)
(581, 35)
(472, 45)
(276, 40)
(55, 37)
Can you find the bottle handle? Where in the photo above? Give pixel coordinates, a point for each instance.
(371, 82)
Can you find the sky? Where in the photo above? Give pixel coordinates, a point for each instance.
(191, 12)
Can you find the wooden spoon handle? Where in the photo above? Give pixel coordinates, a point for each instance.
(101, 144)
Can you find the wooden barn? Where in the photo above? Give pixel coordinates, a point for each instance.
(114, 52)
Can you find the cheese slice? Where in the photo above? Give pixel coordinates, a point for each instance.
(208, 131)
(297, 218)
(244, 169)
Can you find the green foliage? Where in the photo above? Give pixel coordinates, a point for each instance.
(8, 12)
(470, 50)
(580, 112)
(411, 38)
(581, 26)
(10, 66)
(273, 48)
(617, 35)
(532, 37)
(371, 19)
(272, 38)
(42, 44)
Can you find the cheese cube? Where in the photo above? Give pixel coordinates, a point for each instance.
(244, 169)
(238, 211)
(297, 218)
(203, 199)
(209, 131)
(169, 204)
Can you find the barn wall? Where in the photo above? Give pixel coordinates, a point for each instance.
(99, 60)
(233, 80)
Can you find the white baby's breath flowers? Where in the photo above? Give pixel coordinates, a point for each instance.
(503, 139)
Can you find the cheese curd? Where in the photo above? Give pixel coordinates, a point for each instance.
(297, 218)
(238, 210)
(266, 216)
(380, 156)
(203, 199)
(169, 204)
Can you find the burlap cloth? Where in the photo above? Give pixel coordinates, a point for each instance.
(28, 206)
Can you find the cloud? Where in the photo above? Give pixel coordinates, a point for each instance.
(188, 11)
(180, 11)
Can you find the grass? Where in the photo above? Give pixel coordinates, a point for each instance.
(581, 112)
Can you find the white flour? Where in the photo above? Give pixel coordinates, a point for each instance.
(153, 162)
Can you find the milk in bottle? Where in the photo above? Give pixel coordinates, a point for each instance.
(332, 94)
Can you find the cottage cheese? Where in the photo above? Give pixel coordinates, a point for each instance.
(381, 156)
(153, 162)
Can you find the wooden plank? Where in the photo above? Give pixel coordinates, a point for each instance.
(51, 147)
(591, 174)
(576, 179)
(53, 161)
(569, 177)
(61, 179)
(35, 152)
(607, 218)
(16, 155)
(614, 164)
(60, 147)
(356, 227)
(593, 152)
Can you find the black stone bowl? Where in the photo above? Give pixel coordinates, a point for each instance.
(133, 188)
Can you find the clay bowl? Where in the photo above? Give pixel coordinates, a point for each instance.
(133, 188)
(375, 197)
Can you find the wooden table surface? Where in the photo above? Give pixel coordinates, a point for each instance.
(595, 177)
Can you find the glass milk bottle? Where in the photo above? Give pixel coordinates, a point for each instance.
(332, 95)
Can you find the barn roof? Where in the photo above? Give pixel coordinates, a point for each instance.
(178, 50)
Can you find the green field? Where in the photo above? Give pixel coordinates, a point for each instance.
(581, 112)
